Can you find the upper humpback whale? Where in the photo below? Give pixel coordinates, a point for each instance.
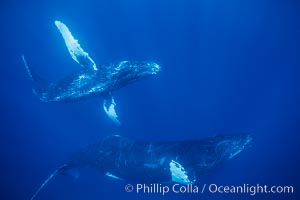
(92, 80)
(154, 162)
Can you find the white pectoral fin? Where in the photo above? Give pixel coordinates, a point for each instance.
(179, 174)
(109, 108)
(77, 53)
(112, 176)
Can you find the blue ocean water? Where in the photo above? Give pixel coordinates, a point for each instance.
(228, 67)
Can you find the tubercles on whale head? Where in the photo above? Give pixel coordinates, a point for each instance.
(127, 71)
(230, 147)
(155, 68)
(145, 69)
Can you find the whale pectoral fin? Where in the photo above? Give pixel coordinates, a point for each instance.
(77, 53)
(109, 108)
(112, 176)
(179, 174)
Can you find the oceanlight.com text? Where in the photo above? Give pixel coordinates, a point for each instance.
(249, 189)
(157, 188)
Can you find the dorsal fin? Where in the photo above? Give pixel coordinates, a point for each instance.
(77, 53)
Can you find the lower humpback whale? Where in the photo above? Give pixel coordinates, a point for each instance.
(154, 162)
(92, 80)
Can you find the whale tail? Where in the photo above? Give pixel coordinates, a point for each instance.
(40, 88)
(64, 170)
(55, 173)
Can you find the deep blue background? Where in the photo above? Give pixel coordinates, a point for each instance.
(227, 67)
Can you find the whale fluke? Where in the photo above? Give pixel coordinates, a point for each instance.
(34, 77)
(40, 85)
(55, 173)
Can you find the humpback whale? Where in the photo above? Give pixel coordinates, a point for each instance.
(91, 80)
(154, 161)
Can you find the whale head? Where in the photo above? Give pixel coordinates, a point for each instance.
(127, 72)
(233, 145)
